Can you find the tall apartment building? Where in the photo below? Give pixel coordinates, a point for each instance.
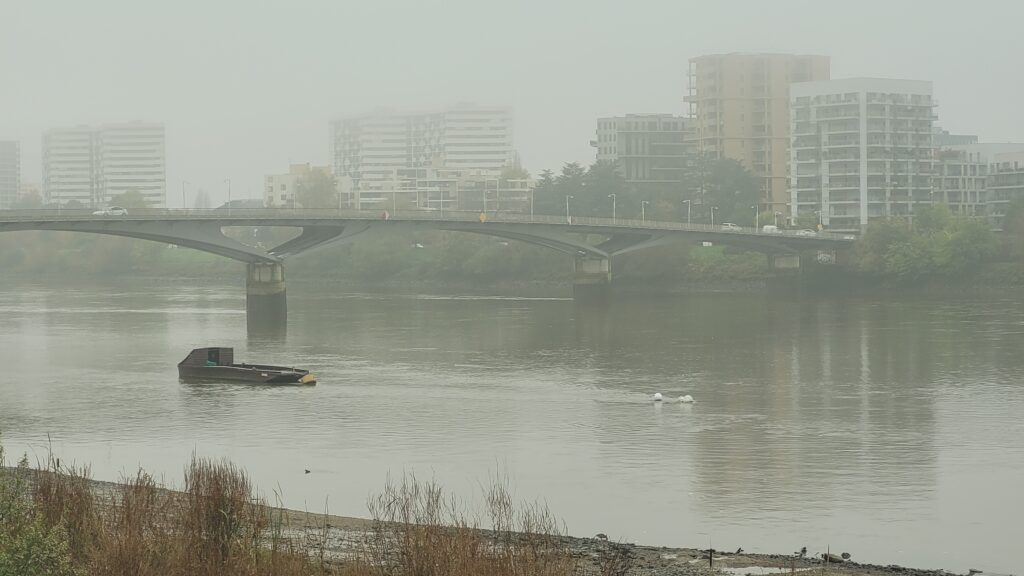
(740, 103)
(651, 150)
(1005, 184)
(862, 148)
(92, 164)
(466, 137)
(10, 173)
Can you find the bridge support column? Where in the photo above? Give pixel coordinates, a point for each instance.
(592, 278)
(266, 303)
(784, 262)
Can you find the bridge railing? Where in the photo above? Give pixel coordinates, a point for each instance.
(245, 216)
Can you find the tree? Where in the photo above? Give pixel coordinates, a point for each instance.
(29, 201)
(130, 199)
(317, 189)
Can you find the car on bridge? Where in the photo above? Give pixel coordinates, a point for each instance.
(111, 211)
(730, 227)
(806, 232)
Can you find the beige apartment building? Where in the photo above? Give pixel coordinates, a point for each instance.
(740, 104)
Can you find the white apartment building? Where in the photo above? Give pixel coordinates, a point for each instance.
(375, 147)
(651, 150)
(132, 157)
(10, 173)
(440, 189)
(861, 148)
(92, 164)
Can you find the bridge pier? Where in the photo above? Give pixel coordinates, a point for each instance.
(592, 277)
(266, 302)
(784, 262)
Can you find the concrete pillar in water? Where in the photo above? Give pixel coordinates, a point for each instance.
(266, 302)
(592, 277)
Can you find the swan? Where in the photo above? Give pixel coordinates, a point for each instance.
(687, 399)
(657, 396)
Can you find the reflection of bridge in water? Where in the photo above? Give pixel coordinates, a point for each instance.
(203, 230)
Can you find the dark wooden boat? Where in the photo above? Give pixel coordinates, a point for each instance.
(218, 364)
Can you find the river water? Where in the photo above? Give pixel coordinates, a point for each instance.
(889, 429)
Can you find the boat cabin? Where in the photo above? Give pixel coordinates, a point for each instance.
(210, 357)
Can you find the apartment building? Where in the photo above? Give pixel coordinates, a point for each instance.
(375, 147)
(740, 104)
(92, 164)
(652, 151)
(1005, 184)
(861, 148)
(440, 189)
(279, 190)
(959, 181)
(10, 173)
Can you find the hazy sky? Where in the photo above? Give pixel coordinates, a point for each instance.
(246, 87)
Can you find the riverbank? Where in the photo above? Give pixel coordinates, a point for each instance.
(339, 542)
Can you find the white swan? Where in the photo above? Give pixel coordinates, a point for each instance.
(657, 396)
(687, 399)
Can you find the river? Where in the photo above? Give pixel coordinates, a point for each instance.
(890, 429)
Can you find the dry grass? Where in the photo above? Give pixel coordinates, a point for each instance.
(419, 530)
(214, 527)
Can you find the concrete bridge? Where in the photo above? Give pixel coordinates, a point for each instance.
(203, 230)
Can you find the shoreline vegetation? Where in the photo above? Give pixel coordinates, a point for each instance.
(57, 521)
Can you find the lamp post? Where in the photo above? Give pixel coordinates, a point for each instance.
(612, 196)
(757, 217)
(184, 204)
(687, 202)
(777, 214)
(643, 210)
(567, 218)
(228, 180)
(531, 203)
(713, 208)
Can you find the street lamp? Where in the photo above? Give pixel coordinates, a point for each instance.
(713, 208)
(567, 218)
(777, 214)
(612, 196)
(228, 180)
(757, 216)
(184, 204)
(643, 210)
(687, 202)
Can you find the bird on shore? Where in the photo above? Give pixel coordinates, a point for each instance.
(307, 470)
(739, 551)
(845, 555)
(601, 536)
(657, 396)
(802, 552)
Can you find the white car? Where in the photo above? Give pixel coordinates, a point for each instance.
(731, 227)
(806, 232)
(112, 211)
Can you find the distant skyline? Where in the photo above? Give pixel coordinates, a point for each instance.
(245, 89)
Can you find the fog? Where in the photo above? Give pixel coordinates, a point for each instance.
(244, 89)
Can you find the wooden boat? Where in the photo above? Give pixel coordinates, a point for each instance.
(218, 364)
